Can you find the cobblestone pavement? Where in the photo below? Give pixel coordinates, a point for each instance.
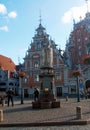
(85, 127)
(25, 113)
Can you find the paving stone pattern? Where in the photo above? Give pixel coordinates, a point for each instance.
(25, 113)
(85, 127)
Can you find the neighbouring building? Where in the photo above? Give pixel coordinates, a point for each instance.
(8, 74)
(78, 46)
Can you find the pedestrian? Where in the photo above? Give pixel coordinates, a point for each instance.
(36, 94)
(2, 96)
(10, 94)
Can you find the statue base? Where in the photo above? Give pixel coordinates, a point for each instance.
(45, 105)
(45, 101)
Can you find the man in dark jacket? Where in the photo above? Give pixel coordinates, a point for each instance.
(36, 94)
(10, 95)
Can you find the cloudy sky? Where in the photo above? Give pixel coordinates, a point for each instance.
(20, 18)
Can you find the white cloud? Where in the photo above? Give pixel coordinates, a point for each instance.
(12, 14)
(3, 9)
(75, 13)
(5, 16)
(4, 28)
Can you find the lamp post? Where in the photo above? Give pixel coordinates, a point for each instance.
(77, 73)
(21, 75)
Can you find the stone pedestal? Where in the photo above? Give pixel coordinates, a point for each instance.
(35, 105)
(46, 96)
(45, 105)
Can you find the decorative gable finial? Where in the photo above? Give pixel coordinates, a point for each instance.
(40, 19)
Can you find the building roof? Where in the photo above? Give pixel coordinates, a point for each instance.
(7, 64)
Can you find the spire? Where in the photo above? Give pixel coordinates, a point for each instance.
(40, 20)
(80, 18)
(73, 22)
(87, 4)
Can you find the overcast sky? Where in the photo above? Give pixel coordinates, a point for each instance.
(20, 18)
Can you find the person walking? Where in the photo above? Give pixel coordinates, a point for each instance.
(10, 95)
(36, 94)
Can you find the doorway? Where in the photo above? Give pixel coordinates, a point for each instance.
(26, 93)
(59, 91)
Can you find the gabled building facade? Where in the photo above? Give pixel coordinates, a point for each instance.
(33, 61)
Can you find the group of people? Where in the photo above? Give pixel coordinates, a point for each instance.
(10, 94)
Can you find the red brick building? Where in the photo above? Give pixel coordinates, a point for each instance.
(78, 44)
(78, 47)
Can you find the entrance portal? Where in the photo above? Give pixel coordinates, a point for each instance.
(87, 87)
(59, 91)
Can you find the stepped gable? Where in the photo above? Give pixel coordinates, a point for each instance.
(7, 64)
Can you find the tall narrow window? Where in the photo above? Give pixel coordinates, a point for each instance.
(36, 64)
(36, 78)
(58, 76)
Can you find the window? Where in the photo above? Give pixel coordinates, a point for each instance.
(79, 53)
(38, 45)
(78, 40)
(73, 89)
(11, 84)
(36, 64)
(26, 80)
(36, 78)
(58, 76)
(86, 38)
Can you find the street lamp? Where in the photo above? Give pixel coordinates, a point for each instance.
(77, 73)
(21, 75)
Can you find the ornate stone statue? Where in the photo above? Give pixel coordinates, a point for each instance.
(47, 55)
